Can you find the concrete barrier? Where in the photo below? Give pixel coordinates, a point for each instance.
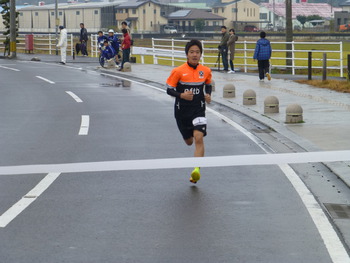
(229, 91)
(271, 105)
(294, 113)
(249, 97)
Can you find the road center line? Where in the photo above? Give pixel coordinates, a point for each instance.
(84, 127)
(26, 200)
(44, 79)
(13, 69)
(75, 97)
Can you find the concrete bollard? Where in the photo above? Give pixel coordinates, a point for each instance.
(229, 91)
(249, 97)
(213, 85)
(294, 113)
(127, 67)
(271, 105)
(110, 63)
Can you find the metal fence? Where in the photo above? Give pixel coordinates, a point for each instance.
(170, 51)
(43, 43)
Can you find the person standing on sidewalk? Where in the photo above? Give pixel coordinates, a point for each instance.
(231, 43)
(223, 47)
(263, 53)
(62, 44)
(83, 40)
(126, 45)
(190, 84)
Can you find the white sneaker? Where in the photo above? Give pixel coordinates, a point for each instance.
(230, 71)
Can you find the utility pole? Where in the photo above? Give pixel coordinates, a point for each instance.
(13, 29)
(273, 15)
(57, 21)
(289, 34)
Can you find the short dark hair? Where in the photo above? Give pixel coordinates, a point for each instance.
(223, 27)
(106, 41)
(124, 31)
(81, 24)
(99, 32)
(262, 34)
(124, 23)
(193, 42)
(232, 30)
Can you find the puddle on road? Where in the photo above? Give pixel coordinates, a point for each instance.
(116, 83)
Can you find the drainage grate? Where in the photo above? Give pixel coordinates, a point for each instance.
(338, 211)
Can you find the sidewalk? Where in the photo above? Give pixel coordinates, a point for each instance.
(326, 113)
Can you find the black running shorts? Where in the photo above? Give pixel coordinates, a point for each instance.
(187, 125)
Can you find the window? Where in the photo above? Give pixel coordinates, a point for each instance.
(345, 20)
(134, 11)
(77, 13)
(52, 13)
(60, 13)
(36, 13)
(263, 16)
(155, 11)
(234, 10)
(216, 10)
(338, 21)
(144, 11)
(151, 23)
(21, 14)
(254, 11)
(214, 23)
(96, 12)
(126, 10)
(222, 10)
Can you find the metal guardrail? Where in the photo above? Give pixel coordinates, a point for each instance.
(173, 50)
(43, 43)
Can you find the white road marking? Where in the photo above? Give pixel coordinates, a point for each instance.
(331, 240)
(44, 79)
(26, 200)
(84, 127)
(13, 69)
(190, 162)
(75, 97)
(51, 64)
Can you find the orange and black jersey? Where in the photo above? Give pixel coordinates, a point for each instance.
(189, 78)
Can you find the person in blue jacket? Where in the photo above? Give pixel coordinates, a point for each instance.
(114, 42)
(101, 39)
(263, 54)
(108, 51)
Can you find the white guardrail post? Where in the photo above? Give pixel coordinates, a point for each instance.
(293, 60)
(245, 56)
(50, 51)
(203, 52)
(341, 59)
(172, 53)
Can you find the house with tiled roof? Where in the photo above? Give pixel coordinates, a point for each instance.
(238, 13)
(184, 20)
(143, 15)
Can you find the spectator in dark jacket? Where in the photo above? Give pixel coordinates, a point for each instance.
(263, 54)
(125, 47)
(83, 39)
(223, 47)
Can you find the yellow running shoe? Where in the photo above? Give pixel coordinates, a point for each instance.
(195, 175)
(268, 76)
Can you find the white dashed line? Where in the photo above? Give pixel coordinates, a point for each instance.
(75, 97)
(13, 69)
(84, 127)
(44, 79)
(26, 200)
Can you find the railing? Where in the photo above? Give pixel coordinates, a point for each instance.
(43, 43)
(171, 51)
